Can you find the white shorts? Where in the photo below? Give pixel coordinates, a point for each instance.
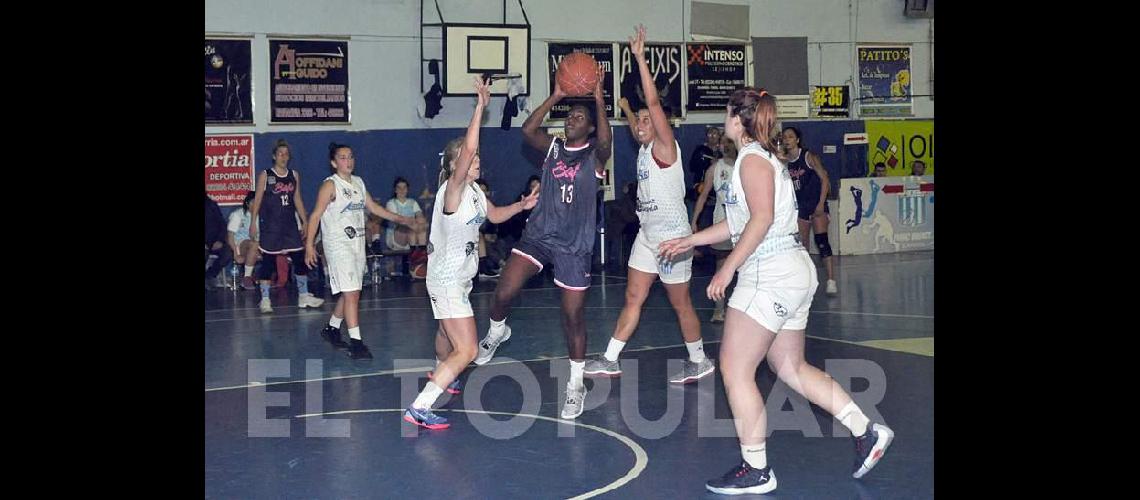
(346, 266)
(450, 301)
(644, 258)
(777, 292)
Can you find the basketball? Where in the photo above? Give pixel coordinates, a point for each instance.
(577, 74)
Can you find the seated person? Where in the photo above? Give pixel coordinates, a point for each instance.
(880, 170)
(399, 237)
(216, 241)
(244, 248)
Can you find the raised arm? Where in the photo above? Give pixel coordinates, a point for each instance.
(536, 138)
(630, 116)
(605, 140)
(454, 193)
(664, 147)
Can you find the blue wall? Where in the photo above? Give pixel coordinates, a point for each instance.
(383, 155)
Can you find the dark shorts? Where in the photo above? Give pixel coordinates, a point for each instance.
(571, 272)
(807, 210)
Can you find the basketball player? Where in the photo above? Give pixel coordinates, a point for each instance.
(661, 209)
(768, 310)
(560, 231)
(453, 262)
(812, 185)
(717, 179)
(340, 207)
(275, 208)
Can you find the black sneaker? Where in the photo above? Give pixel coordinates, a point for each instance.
(332, 336)
(743, 479)
(869, 448)
(357, 349)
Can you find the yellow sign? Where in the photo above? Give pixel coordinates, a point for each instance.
(898, 144)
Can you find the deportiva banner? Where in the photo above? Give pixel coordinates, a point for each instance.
(898, 144)
(228, 96)
(664, 61)
(308, 81)
(602, 53)
(229, 168)
(886, 214)
(714, 72)
(884, 81)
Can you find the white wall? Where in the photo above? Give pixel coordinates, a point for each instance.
(384, 66)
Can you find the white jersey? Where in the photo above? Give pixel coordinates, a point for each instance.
(722, 182)
(453, 243)
(661, 197)
(342, 224)
(782, 235)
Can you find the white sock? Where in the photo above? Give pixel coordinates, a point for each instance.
(614, 349)
(498, 328)
(853, 419)
(756, 455)
(576, 368)
(427, 396)
(354, 332)
(335, 321)
(249, 270)
(696, 350)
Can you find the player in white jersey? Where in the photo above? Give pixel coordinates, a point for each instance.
(718, 178)
(453, 260)
(340, 207)
(768, 310)
(661, 209)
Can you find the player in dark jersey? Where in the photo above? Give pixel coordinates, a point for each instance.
(274, 212)
(812, 185)
(560, 230)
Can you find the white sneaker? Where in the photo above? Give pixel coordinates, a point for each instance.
(832, 289)
(265, 306)
(489, 344)
(575, 402)
(308, 300)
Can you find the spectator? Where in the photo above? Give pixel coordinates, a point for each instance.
(918, 168)
(243, 246)
(215, 240)
(880, 170)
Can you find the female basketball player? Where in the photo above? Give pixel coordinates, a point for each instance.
(768, 310)
(661, 209)
(812, 185)
(341, 202)
(560, 231)
(453, 262)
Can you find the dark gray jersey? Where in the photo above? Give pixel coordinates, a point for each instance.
(565, 216)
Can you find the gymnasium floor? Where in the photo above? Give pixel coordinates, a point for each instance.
(876, 338)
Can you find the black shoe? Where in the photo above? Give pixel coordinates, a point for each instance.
(743, 479)
(869, 448)
(332, 336)
(357, 349)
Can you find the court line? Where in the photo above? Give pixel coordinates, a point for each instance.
(641, 458)
(493, 363)
(428, 308)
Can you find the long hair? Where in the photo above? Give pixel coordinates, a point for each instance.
(450, 153)
(248, 199)
(757, 111)
(799, 137)
(333, 148)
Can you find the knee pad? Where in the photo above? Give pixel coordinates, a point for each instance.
(824, 246)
